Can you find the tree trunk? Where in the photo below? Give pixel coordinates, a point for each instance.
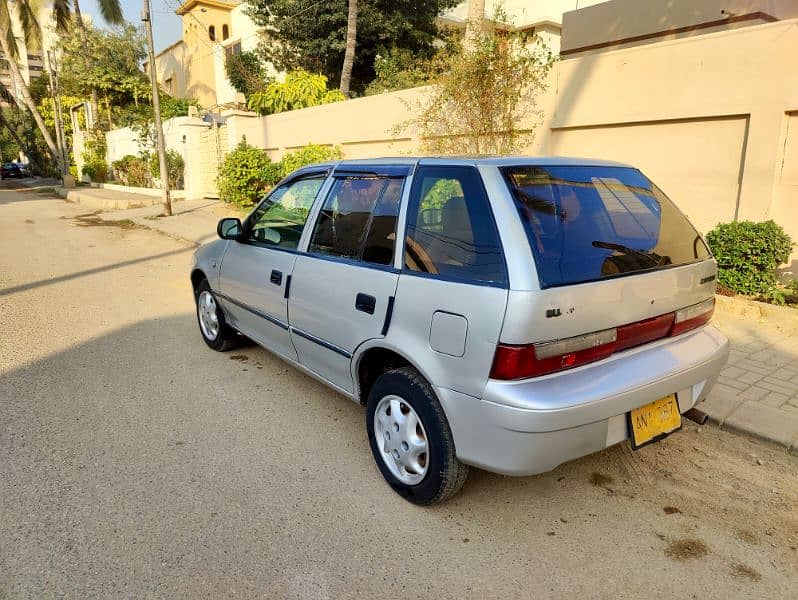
(95, 104)
(349, 55)
(29, 103)
(474, 25)
(4, 122)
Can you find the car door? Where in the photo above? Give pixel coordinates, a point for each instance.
(256, 270)
(343, 286)
(452, 292)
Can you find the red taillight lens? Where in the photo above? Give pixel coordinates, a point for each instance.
(533, 360)
(519, 362)
(693, 316)
(643, 332)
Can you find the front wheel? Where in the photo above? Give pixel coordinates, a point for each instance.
(213, 326)
(411, 440)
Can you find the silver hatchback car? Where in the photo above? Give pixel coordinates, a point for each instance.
(505, 313)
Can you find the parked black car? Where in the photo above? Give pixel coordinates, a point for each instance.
(12, 169)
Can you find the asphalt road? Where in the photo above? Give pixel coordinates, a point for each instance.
(136, 462)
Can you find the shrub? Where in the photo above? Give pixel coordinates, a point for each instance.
(132, 170)
(299, 90)
(175, 168)
(245, 73)
(399, 69)
(748, 255)
(312, 153)
(245, 174)
(96, 169)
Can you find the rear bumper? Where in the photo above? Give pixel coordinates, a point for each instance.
(531, 426)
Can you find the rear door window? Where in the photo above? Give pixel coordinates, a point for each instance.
(589, 223)
(450, 228)
(358, 220)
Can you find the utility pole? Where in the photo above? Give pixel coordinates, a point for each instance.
(156, 108)
(59, 123)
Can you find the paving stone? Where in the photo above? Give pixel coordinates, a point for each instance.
(748, 376)
(765, 422)
(720, 403)
(755, 393)
(732, 372)
(787, 385)
(775, 387)
(785, 374)
(756, 368)
(774, 399)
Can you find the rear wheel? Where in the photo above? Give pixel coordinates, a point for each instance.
(213, 326)
(411, 440)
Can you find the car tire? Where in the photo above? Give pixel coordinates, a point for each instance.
(211, 320)
(433, 475)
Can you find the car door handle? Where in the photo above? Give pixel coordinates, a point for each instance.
(365, 303)
(277, 277)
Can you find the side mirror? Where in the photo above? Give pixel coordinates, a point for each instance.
(229, 229)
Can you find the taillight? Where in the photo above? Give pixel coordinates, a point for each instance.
(533, 360)
(519, 362)
(693, 316)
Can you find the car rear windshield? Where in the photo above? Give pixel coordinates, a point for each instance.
(586, 223)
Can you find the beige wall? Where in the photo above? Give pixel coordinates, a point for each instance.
(618, 20)
(171, 67)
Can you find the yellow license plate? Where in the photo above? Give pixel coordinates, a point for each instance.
(654, 421)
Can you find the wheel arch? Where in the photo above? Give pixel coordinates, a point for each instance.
(197, 275)
(374, 358)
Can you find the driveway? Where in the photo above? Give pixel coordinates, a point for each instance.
(135, 462)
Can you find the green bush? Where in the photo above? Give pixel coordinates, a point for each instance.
(307, 155)
(96, 169)
(748, 255)
(132, 170)
(245, 174)
(175, 168)
(245, 72)
(299, 90)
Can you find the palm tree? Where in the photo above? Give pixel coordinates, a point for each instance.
(26, 13)
(349, 55)
(111, 12)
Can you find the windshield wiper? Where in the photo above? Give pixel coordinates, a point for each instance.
(655, 258)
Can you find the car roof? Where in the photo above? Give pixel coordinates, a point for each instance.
(498, 161)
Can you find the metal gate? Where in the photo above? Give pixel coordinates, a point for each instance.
(213, 147)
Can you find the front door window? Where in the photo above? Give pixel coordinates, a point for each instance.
(280, 218)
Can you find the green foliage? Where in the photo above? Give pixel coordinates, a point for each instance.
(175, 168)
(483, 98)
(299, 90)
(132, 170)
(308, 155)
(245, 72)
(245, 174)
(748, 255)
(399, 69)
(113, 69)
(94, 164)
(311, 35)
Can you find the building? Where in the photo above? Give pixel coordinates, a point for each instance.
(193, 67)
(540, 17)
(35, 63)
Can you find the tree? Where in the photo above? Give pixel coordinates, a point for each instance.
(245, 72)
(311, 35)
(26, 13)
(349, 53)
(111, 12)
(483, 98)
(114, 73)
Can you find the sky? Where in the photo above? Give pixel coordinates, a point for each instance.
(166, 25)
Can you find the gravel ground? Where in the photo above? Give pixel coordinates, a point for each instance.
(135, 462)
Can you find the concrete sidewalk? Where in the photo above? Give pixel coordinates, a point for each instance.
(757, 392)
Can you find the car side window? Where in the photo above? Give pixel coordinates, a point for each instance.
(358, 220)
(280, 218)
(450, 227)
